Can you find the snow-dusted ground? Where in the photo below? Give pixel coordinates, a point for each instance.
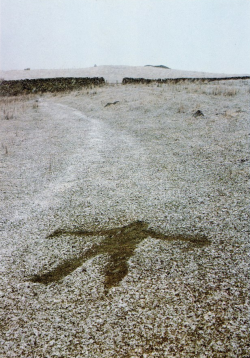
(69, 162)
(112, 74)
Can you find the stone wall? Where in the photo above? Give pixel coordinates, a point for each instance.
(128, 80)
(41, 85)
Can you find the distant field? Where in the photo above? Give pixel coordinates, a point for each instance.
(112, 74)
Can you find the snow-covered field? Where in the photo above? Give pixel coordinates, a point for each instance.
(112, 74)
(145, 171)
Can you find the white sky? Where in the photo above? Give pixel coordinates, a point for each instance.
(199, 35)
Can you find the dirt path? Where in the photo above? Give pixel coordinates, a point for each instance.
(96, 152)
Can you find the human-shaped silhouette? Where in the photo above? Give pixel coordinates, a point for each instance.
(119, 244)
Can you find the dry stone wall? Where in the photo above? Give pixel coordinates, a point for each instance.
(128, 80)
(40, 85)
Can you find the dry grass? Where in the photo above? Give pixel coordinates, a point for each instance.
(5, 149)
(14, 107)
(224, 88)
(181, 109)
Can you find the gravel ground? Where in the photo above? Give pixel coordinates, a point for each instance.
(79, 176)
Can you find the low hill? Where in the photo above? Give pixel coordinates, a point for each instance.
(111, 74)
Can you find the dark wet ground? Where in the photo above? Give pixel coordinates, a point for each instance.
(119, 244)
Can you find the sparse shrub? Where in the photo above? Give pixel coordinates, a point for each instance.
(221, 91)
(8, 115)
(217, 91)
(197, 88)
(11, 107)
(230, 92)
(5, 148)
(181, 109)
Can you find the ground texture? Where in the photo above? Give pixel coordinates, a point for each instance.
(125, 227)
